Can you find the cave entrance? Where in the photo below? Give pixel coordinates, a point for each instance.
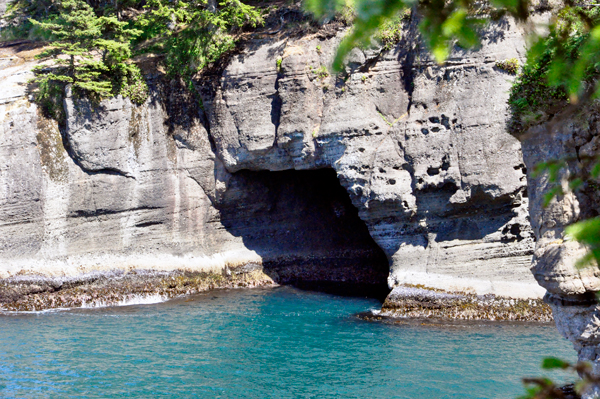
(307, 231)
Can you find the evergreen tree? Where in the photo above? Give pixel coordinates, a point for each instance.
(89, 52)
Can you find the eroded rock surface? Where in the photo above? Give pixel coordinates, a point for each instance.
(422, 149)
(433, 187)
(571, 290)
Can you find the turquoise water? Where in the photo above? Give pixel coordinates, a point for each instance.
(263, 343)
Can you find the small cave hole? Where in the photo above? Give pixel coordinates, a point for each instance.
(445, 121)
(515, 229)
(425, 131)
(431, 171)
(445, 163)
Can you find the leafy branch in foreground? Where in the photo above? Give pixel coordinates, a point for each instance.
(442, 23)
(544, 388)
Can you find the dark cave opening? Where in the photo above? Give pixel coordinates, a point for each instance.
(304, 226)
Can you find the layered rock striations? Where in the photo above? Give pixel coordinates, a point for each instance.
(397, 172)
(422, 150)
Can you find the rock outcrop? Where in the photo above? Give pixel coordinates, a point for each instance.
(434, 188)
(422, 150)
(571, 291)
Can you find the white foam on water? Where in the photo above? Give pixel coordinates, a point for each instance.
(128, 301)
(53, 310)
(131, 300)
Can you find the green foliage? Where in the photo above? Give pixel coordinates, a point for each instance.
(574, 46)
(279, 61)
(531, 95)
(89, 53)
(442, 24)
(370, 15)
(511, 65)
(588, 233)
(321, 72)
(544, 388)
(191, 35)
(550, 363)
(390, 33)
(558, 68)
(92, 46)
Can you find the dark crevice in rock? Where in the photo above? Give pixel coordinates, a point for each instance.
(409, 45)
(276, 103)
(109, 171)
(431, 171)
(583, 300)
(148, 224)
(304, 226)
(75, 159)
(100, 212)
(369, 63)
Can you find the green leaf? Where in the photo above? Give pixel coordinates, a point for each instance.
(595, 172)
(576, 183)
(587, 231)
(549, 196)
(554, 363)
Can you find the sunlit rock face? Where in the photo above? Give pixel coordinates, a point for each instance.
(420, 151)
(571, 290)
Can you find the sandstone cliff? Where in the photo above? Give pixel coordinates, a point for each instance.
(399, 172)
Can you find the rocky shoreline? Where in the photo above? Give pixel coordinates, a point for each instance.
(36, 293)
(421, 302)
(117, 287)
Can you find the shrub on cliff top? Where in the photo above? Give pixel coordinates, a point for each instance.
(90, 53)
(92, 42)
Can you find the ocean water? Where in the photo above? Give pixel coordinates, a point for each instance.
(264, 343)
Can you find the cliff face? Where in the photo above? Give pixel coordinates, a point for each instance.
(432, 191)
(571, 290)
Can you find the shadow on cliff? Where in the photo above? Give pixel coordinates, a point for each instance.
(304, 226)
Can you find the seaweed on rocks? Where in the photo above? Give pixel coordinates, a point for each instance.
(417, 302)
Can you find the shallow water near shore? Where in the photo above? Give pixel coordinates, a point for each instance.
(264, 343)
